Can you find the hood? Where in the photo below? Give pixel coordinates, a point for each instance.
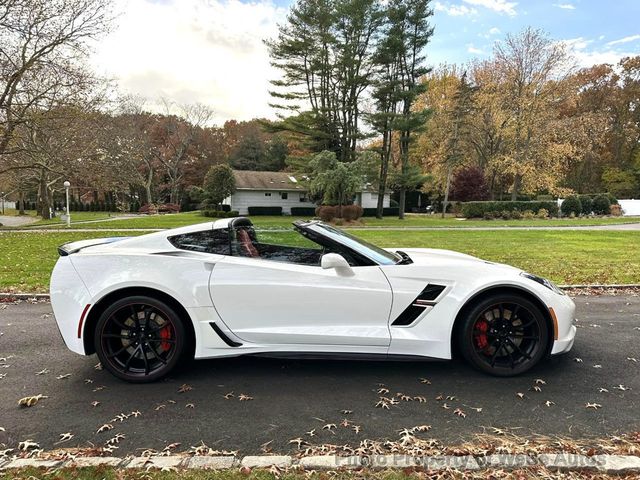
(422, 256)
(432, 257)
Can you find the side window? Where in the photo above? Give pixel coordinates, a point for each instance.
(209, 241)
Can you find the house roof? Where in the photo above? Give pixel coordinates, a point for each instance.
(279, 181)
(253, 180)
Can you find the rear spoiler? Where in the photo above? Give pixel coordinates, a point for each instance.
(73, 247)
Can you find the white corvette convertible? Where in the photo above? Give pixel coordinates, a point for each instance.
(145, 303)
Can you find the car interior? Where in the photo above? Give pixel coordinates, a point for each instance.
(245, 243)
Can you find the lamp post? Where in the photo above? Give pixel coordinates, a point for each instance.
(66, 187)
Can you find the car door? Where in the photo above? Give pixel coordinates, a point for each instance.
(275, 303)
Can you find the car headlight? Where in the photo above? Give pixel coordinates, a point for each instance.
(543, 281)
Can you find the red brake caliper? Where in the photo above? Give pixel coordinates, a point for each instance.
(165, 334)
(481, 336)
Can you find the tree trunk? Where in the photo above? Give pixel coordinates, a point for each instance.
(446, 191)
(44, 201)
(516, 187)
(21, 203)
(384, 173)
(401, 202)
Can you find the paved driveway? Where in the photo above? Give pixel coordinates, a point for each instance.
(291, 397)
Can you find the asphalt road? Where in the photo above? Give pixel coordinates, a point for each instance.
(291, 397)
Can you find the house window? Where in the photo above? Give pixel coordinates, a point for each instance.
(303, 198)
(267, 194)
(284, 195)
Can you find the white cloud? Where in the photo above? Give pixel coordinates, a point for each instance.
(500, 6)
(207, 51)
(474, 50)
(454, 10)
(630, 38)
(586, 57)
(494, 31)
(565, 6)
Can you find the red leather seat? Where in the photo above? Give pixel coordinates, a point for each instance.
(248, 248)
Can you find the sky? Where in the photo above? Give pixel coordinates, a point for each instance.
(212, 51)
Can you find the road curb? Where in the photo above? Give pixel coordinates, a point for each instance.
(561, 461)
(45, 296)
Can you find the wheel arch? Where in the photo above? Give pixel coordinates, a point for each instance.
(88, 333)
(497, 289)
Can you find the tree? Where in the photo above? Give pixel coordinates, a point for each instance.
(248, 154)
(620, 183)
(174, 142)
(410, 25)
(468, 184)
(324, 51)
(337, 182)
(43, 49)
(462, 109)
(531, 66)
(219, 183)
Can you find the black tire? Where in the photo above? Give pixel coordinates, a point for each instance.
(503, 335)
(140, 339)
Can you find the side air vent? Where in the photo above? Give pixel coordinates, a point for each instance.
(423, 302)
(430, 293)
(224, 338)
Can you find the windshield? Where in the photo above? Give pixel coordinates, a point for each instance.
(377, 254)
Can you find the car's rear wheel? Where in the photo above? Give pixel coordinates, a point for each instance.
(504, 335)
(140, 339)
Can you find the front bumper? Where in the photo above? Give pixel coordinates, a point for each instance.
(565, 311)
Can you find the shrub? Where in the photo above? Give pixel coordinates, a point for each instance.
(587, 204)
(615, 210)
(326, 212)
(528, 214)
(265, 210)
(469, 184)
(542, 213)
(220, 213)
(516, 215)
(601, 205)
(351, 212)
(570, 205)
(477, 209)
(168, 208)
(386, 212)
(303, 211)
(505, 214)
(544, 198)
(148, 208)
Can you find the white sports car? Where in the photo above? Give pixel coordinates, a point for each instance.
(218, 289)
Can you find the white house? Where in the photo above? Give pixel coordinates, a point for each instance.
(281, 189)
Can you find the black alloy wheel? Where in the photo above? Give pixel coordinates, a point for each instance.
(140, 339)
(504, 335)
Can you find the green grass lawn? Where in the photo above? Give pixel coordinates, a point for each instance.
(273, 222)
(76, 217)
(566, 257)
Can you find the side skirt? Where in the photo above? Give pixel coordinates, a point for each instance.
(379, 357)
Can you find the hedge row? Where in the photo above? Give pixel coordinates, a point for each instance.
(265, 210)
(303, 211)
(220, 213)
(588, 204)
(387, 212)
(479, 209)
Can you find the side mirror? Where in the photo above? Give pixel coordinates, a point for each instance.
(333, 260)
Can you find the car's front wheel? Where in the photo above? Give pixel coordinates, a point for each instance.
(140, 339)
(504, 335)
